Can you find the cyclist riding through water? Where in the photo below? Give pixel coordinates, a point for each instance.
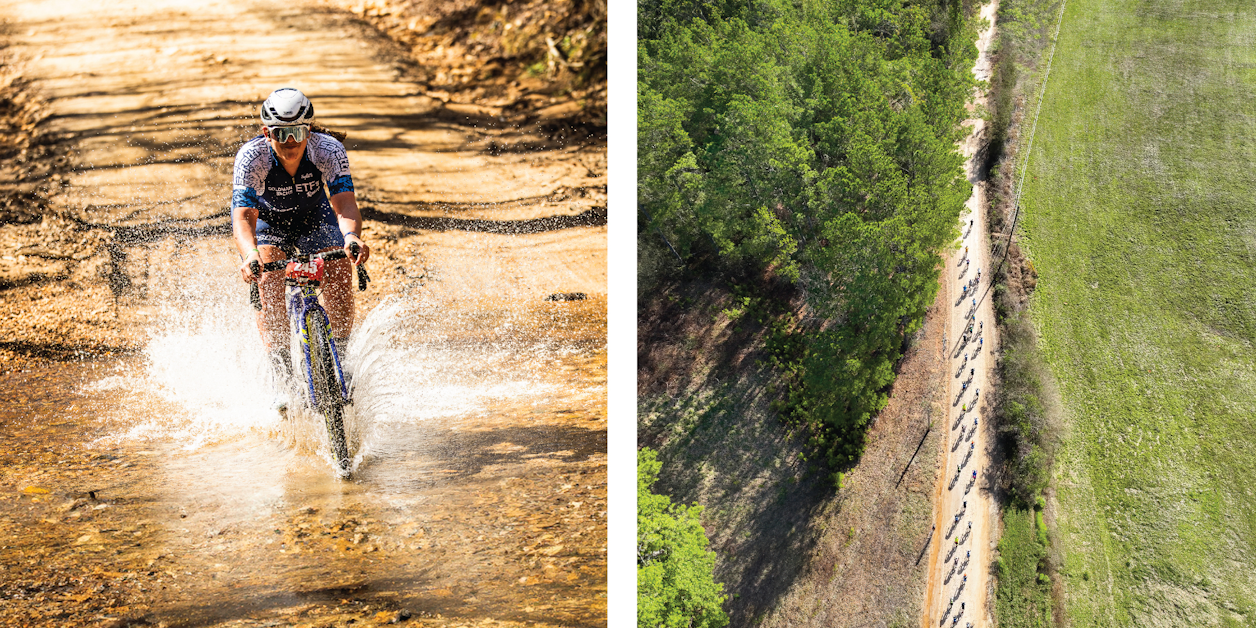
(291, 189)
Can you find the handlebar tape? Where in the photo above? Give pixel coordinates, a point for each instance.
(254, 297)
(354, 250)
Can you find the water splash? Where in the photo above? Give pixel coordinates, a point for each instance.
(203, 375)
(204, 379)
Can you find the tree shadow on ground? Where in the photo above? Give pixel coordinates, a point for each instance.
(795, 549)
(707, 412)
(468, 453)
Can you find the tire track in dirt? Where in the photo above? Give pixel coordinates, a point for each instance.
(955, 578)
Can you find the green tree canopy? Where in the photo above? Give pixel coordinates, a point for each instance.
(813, 141)
(675, 586)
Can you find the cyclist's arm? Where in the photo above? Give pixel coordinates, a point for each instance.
(244, 231)
(328, 155)
(345, 204)
(247, 177)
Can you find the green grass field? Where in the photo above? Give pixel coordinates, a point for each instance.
(1022, 601)
(1141, 220)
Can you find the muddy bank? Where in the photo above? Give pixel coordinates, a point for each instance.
(536, 65)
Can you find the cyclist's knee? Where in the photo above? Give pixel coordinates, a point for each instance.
(339, 276)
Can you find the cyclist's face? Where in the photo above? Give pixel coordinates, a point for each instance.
(286, 150)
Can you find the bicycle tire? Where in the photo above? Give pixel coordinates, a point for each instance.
(328, 395)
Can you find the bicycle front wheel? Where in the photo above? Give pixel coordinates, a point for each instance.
(326, 383)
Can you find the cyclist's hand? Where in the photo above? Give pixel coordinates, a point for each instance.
(251, 269)
(363, 251)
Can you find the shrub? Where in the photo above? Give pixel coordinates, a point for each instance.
(675, 585)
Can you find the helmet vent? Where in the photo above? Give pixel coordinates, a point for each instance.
(286, 100)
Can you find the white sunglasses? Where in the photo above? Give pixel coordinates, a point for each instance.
(285, 134)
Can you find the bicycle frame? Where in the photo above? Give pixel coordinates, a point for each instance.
(308, 320)
(301, 302)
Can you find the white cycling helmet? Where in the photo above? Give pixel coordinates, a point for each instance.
(287, 106)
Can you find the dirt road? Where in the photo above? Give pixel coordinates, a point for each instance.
(959, 585)
(142, 477)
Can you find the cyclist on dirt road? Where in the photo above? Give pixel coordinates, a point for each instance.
(291, 188)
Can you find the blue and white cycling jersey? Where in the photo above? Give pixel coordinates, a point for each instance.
(291, 208)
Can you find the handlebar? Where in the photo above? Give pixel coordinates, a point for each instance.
(258, 268)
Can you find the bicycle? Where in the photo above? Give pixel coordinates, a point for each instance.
(325, 381)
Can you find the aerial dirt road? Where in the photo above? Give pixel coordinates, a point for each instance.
(144, 479)
(959, 587)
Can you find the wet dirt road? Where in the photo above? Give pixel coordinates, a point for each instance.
(154, 486)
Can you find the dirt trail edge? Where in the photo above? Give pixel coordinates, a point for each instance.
(481, 499)
(959, 585)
